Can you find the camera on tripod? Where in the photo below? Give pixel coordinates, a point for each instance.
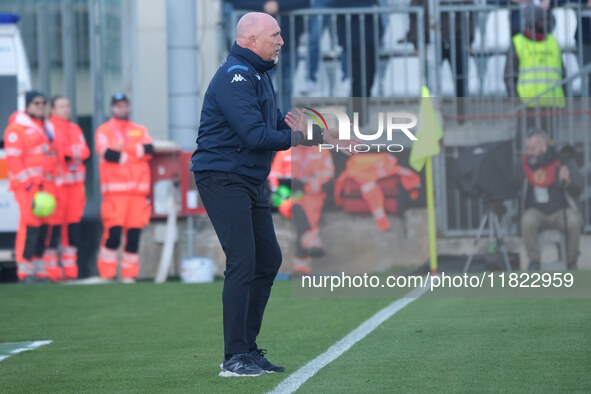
(487, 171)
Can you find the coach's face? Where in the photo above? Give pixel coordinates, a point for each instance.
(268, 42)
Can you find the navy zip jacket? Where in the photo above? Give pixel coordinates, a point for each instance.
(241, 125)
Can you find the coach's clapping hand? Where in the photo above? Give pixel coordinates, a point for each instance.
(297, 122)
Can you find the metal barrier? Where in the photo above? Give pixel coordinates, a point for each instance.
(480, 69)
(466, 71)
(458, 215)
(323, 52)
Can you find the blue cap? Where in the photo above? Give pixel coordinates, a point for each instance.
(6, 19)
(118, 97)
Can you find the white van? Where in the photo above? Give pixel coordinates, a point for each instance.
(15, 80)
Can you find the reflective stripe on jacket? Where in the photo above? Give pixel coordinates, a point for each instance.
(540, 68)
(70, 142)
(31, 157)
(131, 175)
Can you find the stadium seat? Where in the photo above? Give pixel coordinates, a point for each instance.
(497, 33)
(571, 66)
(402, 77)
(448, 81)
(302, 87)
(327, 48)
(477, 44)
(396, 29)
(494, 83)
(473, 79)
(565, 27)
(329, 54)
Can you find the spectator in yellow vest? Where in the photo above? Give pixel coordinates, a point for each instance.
(534, 66)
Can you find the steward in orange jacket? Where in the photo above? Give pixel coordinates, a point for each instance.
(33, 166)
(309, 169)
(124, 149)
(72, 152)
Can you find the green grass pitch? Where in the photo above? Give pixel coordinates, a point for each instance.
(148, 338)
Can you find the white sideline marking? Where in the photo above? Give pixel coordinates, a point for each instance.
(93, 280)
(30, 346)
(299, 377)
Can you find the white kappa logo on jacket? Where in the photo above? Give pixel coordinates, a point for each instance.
(238, 78)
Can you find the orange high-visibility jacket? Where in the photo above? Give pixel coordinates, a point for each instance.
(305, 163)
(70, 142)
(280, 168)
(131, 175)
(31, 157)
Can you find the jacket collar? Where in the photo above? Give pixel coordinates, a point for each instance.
(120, 123)
(60, 122)
(23, 119)
(252, 58)
(537, 37)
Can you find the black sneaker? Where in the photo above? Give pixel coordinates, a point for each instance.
(240, 365)
(258, 356)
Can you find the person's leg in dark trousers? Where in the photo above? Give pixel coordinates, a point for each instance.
(234, 206)
(356, 59)
(460, 76)
(267, 262)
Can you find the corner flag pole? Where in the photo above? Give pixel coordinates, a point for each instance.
(431, 214)
(426, 146)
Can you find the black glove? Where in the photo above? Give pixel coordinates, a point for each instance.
(112, 156)
(148, 149)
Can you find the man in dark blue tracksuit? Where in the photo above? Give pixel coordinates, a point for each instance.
(240, 128)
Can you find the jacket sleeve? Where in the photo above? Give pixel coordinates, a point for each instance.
(147, 140)
(78, 144)
(15, 149)
(281, 125)
(238, 103)
(104, 150)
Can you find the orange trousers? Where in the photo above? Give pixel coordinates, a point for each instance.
(126, 211)
(72, 199)
(33, 265)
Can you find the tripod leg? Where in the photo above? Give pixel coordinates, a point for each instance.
(478, 236)
(501, 242)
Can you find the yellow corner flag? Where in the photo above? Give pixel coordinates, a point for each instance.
(429, 136)
(420, 156)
